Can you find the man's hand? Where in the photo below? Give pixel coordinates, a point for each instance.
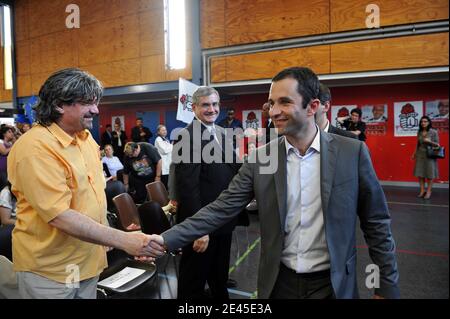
(140, 244)
(377, 297)
(154, 249)
(201, 244)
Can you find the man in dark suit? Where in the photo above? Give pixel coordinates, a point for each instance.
(198, 183)
(312, 182)
(140, 133)
(107, 136)
(321, 115)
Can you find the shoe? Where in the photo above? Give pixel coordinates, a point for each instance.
(421, 195)
(427, 196)
(231, 283)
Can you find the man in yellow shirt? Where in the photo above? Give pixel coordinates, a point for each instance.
(56, 174)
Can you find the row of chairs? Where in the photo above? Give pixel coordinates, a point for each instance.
(148, 218)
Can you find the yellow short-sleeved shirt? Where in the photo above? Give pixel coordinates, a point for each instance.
(51, 172)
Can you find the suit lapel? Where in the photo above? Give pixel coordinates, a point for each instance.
(328, 155)
(281, 181)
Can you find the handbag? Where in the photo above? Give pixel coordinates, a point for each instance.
(435, 152)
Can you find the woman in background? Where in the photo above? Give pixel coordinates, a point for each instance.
(426, 168)
(165, 150)
(112, 162)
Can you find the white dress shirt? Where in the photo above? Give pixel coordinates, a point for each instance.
(113, 164)
(305, 248)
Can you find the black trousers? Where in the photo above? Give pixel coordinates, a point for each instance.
(138, 185)
(211, 266)
(291, 285)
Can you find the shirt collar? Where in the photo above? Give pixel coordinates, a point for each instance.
(64, 138)
(315, 145)
(327, 127)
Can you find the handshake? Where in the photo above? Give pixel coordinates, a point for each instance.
(144, 247)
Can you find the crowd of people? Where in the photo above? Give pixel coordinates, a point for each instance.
(63, 210)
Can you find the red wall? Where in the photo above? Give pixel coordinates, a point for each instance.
(391, 155)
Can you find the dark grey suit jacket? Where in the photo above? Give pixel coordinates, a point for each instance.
(349, 189)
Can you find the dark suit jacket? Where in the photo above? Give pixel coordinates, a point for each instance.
(136, 134)
(198, 184)
(106, 138)
(349, 189)
(335, 130)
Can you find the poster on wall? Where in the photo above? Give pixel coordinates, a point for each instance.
(340, 111)
(375, 117)
(438, 111)
(406, 118)
(118, 119)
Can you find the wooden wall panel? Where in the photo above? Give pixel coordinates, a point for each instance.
(120, 41)
(118, 73)
(47, 16)
(219, 69)
(395, 53)
(212, 23)
(351, 14)
(266, 64)
(263, 20)
(23, 55)
(23, 85)
(111, 41)
(21, 21)
(151, 37)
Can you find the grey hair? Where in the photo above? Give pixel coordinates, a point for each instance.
(66, 87)
(203, 91)
(160, 126)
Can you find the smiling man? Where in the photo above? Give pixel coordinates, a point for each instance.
(198, 183)
(308, 209)
(61, 233)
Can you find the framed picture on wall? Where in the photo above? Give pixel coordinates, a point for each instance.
(119, 119)
(438, 112)
(406, 117)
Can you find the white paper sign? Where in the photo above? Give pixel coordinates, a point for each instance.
(185, 91)
(121, 278)
(406, 118)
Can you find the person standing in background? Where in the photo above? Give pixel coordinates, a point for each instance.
(140, 133)
(106, 136)
(426, 168)
(354, 124)
(164, 147)
(119, 139)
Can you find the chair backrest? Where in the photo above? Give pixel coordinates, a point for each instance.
(126, 211)
(153, 219)
(113, 188)
(157, 192)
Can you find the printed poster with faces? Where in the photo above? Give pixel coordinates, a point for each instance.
(406, 118)
(375, 117)
(438, 112)
(340, 111)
